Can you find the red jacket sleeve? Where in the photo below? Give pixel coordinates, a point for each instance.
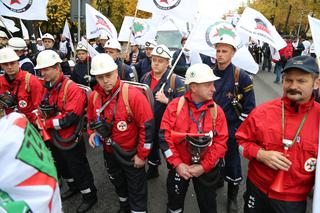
(36, 91)
(75, 104)
(219, 143)
(247, 138)
(143, 117)
(167, 124)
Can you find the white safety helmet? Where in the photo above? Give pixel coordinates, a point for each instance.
(8, 55)
(151, 44)
(226, 39)
(102, 63)
(161, 51)
(17, 43)
(48, 36)
(80, 46)
(39, 39)
(104, 35)
(113, 44)
(71, 63)
(47, 58)
(200, 73)
(3, 34)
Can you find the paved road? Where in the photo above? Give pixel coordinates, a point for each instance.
(265, 90)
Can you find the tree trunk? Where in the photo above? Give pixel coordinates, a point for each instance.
(287, 20)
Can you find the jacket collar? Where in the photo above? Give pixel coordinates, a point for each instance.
(103, 94)
(298, 108)
(206, 105)
(16, 79)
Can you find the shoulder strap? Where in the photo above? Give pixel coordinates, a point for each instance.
(236, 76)
(95, 96)
(125, 97)
(27, 82)
(172, 81)
(213, 112)
(65, 89)
(180, 104)
(123, 73)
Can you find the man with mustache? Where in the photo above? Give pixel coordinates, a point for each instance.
(291, 123)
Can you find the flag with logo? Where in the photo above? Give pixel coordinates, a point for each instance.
(315, 30)
(208, 32)
(97, 23)
(92, 52)
(9, 24)
(183, 9)
(139, 29)
(24, 9)
(67, 34)
(254, 24)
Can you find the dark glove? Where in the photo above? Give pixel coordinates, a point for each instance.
(103, 128)
(7, 100)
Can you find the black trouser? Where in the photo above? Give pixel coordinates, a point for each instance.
(177, 188)
(130, 183)
(154, 155)
(255, 201)
(232, 168)
(74, 167)
(266, 63)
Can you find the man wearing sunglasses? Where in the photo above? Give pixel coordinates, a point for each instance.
(144, 65)
(174, 87)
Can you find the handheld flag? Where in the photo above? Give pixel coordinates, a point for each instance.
(183, 9)
(96, 23)
(315, 30)
(92, 52)
(25, 9)
(67, 34)
(254, 24)
(25, 33)
(9, 24)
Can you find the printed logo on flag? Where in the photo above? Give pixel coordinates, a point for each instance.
(261, 26)
(17, 6)
(140, 28)
(101, 22)
(217, 30)
(166, 4)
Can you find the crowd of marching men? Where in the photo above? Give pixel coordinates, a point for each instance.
(211, 100)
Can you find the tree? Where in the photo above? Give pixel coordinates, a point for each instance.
(288, 16)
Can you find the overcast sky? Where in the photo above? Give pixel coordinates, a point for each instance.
(218, 7)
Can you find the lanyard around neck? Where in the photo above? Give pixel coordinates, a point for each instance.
(299, 128)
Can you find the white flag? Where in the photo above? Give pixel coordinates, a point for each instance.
(315, 30)
(67, 34)
(183, 9)
(96, 23)
(7, 23)
(25, 9)
(40, 32)
(92, 52)
(25, 33)
(207, 33)
(141, 29)
(257, 26)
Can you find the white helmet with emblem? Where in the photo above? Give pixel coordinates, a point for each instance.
(161, 51)
(102, 63)
(200, 73)
(48, 36)
(8, 55)
(47, 58)
(113, 44)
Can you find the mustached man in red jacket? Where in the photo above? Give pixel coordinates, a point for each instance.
(292, 123)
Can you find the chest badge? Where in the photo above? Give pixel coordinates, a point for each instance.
(23, 104)
(122, 126)
(310, 164)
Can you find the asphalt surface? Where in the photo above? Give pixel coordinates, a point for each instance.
(265, 90)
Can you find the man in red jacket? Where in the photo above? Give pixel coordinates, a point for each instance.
(197, 113)
(19, 90)
(62, 109)
(122, 117)
(289, 123)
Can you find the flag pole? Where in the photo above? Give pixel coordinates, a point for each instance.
(5, 26)
(178, 58)
(134, 18)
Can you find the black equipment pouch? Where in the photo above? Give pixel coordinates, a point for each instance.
(103, 128)
(47, 110)
(8, 101)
